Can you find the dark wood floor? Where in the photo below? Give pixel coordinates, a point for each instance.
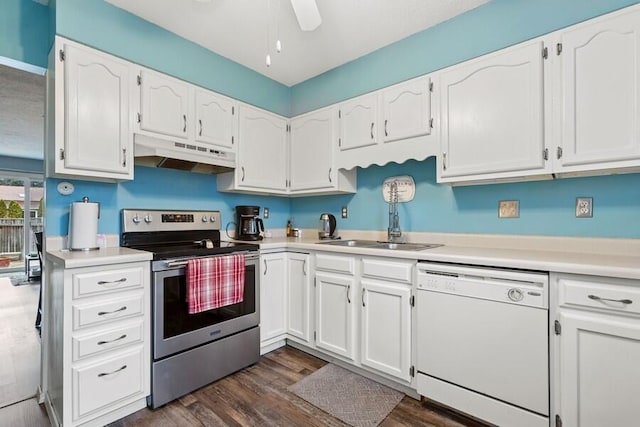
(258, 396)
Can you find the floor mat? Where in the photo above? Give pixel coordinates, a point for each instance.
(352, 398)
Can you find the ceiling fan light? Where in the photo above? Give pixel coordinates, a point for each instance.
(307, 14)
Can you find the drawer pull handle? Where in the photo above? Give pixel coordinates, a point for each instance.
(349, 294)
(107, 282)
(622, 301)
(105, 374)
(121, 337)
(103, 313)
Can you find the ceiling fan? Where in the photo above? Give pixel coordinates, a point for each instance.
(307, 14)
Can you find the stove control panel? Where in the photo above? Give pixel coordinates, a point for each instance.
(161, 220)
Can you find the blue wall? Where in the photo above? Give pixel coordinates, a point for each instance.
(155, 189)
(24, 31)
(546, 207)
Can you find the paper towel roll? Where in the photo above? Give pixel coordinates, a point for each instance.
(83, 225)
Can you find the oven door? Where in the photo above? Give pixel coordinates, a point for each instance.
(175, 330)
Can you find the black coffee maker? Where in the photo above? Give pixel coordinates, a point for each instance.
(248, 223)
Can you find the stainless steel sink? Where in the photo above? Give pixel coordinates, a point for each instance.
(406, 246)
(372, 244)
(351, 243)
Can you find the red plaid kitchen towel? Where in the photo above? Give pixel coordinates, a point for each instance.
(215, 282)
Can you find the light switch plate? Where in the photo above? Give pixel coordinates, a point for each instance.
(509, 209)
(584, 207)
(265, 213)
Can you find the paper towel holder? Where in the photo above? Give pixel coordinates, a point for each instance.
(83, 229)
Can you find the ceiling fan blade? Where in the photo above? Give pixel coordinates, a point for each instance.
(307, 14)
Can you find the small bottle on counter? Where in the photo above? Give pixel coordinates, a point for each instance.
(289, 228)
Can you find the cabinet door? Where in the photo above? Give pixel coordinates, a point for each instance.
(262, 150)
(164, 105)
(335, 309)
(599, 371)
(216, 122)
(272, 296)
(298, 295)
(600, 84)
(493, 116)
(407, 110)
(312, 139)
(358, 119)
(97, 137)
(386, 327)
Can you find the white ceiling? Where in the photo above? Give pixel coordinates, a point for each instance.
(237, 29)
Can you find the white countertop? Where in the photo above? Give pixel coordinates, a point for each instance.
(102, 256)
(607, 262)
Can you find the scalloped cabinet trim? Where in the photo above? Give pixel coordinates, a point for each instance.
(394, 124)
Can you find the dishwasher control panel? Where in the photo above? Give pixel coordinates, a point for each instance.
(508, 286)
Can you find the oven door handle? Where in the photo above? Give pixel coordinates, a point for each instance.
(184, 262)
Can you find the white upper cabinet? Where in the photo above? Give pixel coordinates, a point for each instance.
(493, 111)
(313, 139)
(599, 84)
(407, 110)
(390, 125)
(215, 119)
(262, 162)
(164, 105)
(312, 150)
(358, 119)
(88, 114)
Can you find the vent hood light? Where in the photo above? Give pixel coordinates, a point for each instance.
(178, 155)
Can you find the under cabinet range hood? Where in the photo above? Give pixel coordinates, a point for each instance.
(183, 156)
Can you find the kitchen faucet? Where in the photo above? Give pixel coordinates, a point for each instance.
(393, 231)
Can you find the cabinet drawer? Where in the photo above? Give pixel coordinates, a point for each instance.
(89, 345)
(95, 313)
(342, 264)
(602, 295)
(90, 283)
(381, 269)
(98, 385)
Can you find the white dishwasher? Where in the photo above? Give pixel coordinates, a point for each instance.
(483, 342)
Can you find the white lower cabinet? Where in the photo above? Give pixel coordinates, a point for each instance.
(335, 313)
(386, 296)
(386, 327)
(273, 287)
(597, 349)
(299, 296)
(97, 339)
(363, 312)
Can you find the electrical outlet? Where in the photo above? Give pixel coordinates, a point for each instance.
(266, 213)
(509, 209)
(345, 212)
(584, 207)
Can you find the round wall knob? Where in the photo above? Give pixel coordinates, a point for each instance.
(148, 219)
